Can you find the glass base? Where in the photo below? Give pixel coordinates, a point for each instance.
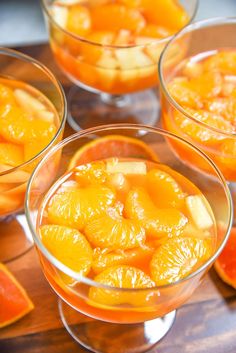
(15, 237)
(104, 337)
(91, 109)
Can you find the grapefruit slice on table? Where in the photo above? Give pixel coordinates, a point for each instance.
(225, 265)
(14, 301)
(112, 146)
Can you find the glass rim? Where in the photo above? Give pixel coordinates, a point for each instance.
(192, 27)
(83, 279)
(45, 7)
(26, 58)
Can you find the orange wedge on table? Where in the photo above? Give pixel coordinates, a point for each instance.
(225, 265)
(112, 146)
(14, 301)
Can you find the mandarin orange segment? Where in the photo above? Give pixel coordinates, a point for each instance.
(120, 277)
(6, 95)
(112, 231)
(11, 154)
(91, 174)
(18, 127)
(201, 133)
(93, 50)
(164, 190)
(69, 246)
(157, 222)
(31, 149)
(177, 258)
(169, 14)
(223, 62)
(114, 17)
(208, 85)
(184, 94)
(140, 256)
(78, 20)
(75, 207)
(226, 107)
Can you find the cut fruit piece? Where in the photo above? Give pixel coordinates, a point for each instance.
(75, 208)
(96, 47)
(105, 258)
(78, 20)
(11, 154)
(158, 223)
(169, 14)
(199, 210)
(164, 190)
(200, 133)
(17, 126)
(184, 94)
(152, 31)
(69, 246)
(114, 17)
(114, 166)
(110, 230)
(193, 69)
(60, 15)
(91, 174)
(121, 277)
(207, 85)
(14, 300)
(6, 95)
(177, 258)
(27, 101)
(112, 146)
(225, 264)
(223, 62)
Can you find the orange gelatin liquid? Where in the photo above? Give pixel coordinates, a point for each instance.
(28, 123)
(114, 46)
(205, 87)
(126, 224)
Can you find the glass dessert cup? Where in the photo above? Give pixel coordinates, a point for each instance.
(135, 325)
(15, 238)
(115, 94)
(218, 142)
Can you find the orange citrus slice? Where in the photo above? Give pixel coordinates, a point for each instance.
(177, 258)
(120, 277)
(225, 265)
(112, 146)
(69, 246)
(156, 221)
(14, 301)
(74, 207)
(110, 230)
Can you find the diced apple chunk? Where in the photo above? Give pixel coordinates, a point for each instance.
(46, 116)
(198, 210)
(60, 15)
(126, 167)
(107, 67)
(27, 101)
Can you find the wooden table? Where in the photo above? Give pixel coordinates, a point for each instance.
(205, 324)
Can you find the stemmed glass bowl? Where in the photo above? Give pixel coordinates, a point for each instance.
(203, 39)
(148, 314)
(115, 93)
(15, 239)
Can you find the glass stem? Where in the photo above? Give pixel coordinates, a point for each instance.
(116, 100)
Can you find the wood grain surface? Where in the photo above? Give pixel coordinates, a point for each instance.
(205, 324)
